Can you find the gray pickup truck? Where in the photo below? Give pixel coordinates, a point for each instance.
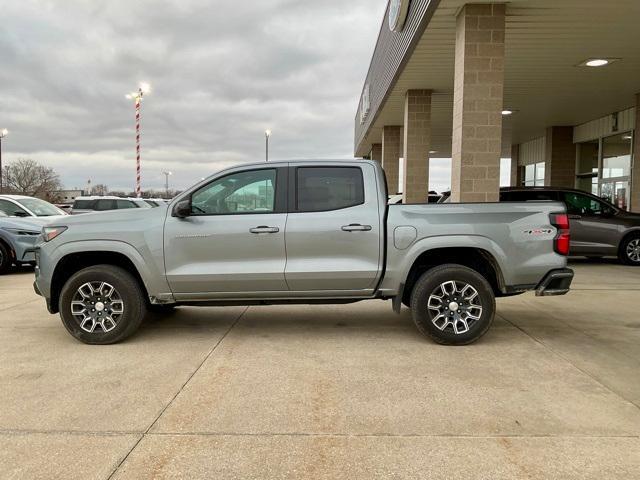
(300, 232)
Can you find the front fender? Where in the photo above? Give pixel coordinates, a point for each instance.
(154, 280)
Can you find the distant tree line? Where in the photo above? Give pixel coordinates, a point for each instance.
(25, 176)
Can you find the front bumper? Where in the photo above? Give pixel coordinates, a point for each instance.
(556, 282)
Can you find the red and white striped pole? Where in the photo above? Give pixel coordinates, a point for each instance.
(137, 98)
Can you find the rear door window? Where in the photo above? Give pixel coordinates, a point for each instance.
(579, 204)
(104, 204)
(84, 204)
(125, 204)
(321, 189)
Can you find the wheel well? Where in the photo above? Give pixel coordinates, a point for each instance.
(632, 233)
(475, 258)
(8, 247)
(74, 262)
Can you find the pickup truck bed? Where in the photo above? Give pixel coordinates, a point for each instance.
(303, 232)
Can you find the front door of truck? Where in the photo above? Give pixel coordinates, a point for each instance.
(233, 240)
(333, 229)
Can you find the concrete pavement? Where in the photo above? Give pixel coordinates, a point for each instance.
(350, 391)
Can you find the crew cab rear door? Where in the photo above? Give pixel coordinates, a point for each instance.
(333, 233)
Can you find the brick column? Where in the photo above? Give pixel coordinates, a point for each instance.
(515, 168)
(560, 157)
(477, 103)
(417, 143)
(634, 204)
(391, 145)
(376, 152)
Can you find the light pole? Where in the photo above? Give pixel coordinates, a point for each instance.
(3, 133)
(137, 98)
(267, 134)
(166, 182)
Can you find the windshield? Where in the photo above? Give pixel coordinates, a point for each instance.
(40, 207)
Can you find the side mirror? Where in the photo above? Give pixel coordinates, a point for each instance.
(182, 208)
(20, 213)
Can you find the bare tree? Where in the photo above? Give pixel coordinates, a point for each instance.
(99, 189)
(27, 177)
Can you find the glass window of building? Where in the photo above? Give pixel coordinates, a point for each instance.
(616, 168)
(587, 166)
(534, 175)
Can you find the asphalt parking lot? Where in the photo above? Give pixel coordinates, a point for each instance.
(552, 391)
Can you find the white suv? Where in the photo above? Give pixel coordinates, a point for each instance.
(101, 204)
(23, 206)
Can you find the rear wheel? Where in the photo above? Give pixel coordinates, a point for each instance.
(453, 304)
(102, 304)
(630, 250)
(5, 259)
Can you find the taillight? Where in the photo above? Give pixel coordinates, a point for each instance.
(563, 238)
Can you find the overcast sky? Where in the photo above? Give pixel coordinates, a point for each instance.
(221, 73)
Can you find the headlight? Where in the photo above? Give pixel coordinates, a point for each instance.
(49, 233)
(20, 231)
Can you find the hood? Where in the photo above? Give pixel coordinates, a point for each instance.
(125, 214)
(33, 224)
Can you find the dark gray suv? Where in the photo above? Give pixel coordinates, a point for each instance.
(597, 228)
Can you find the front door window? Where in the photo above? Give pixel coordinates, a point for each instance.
(243, 192)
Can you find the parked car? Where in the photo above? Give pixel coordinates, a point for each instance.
(17, 240)
(24, 206)
(156, 202)
(300, 232)
(65, 207)
(598, 228)
(104, 203)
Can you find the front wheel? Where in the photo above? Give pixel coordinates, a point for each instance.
(630, 250)
(5, 259)
(102, 304)
(453, 304)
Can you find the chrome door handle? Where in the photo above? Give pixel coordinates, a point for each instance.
(264, 229)
(356, 227)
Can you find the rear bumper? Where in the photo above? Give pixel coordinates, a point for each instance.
(556, 282)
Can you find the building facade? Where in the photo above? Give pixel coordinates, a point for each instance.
(552, 85)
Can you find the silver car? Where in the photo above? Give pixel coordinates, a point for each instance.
(17, 240)
(300, 232)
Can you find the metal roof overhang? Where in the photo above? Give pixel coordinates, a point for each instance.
(545, 41)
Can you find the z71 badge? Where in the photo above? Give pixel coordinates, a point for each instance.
(539, 231)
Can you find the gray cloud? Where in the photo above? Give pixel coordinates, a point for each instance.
(221, 73)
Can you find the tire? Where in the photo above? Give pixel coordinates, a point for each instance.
(437, 323)
(629, 253)
(125, 306)
(5, 259)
